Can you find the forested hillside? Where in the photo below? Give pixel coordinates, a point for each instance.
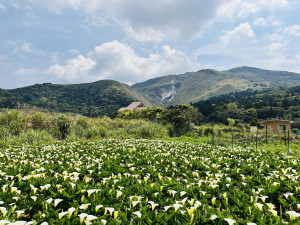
(281, 103)
(90, 99)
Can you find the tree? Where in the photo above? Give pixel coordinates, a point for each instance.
(181, 118)
(231, 122)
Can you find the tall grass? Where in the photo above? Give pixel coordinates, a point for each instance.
(28, 127)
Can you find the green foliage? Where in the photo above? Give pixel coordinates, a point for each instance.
(254, 122)
(179, 117)
(20, 127)
(91, 99)
(231, 122)
(248, 105)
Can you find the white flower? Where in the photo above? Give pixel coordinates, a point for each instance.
(213, 217)
(91, 217)
(134, 203)
(33, 198)
(70, 212)
(177, 206)
(91, 191)
(182, 193)
(274, 212)
(98, 207)
(103, 221)
(229, 221)
(62, 214)
(110, 209)
(286, 195)
(84, 206)
(119, 193)
(56, 201)
(263, 198)
(82, 216)
(293, 214)
(270, 205)
(49, 200)
(172, 192)
(260, 206)
(167, 207)
(19, 213)
(251, 224)
(138, 214)
(3, 222)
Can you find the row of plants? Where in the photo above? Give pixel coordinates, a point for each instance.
(147, 182)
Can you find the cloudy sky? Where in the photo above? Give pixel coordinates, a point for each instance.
(75, 41)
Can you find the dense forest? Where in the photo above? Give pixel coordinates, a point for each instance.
(282, 103)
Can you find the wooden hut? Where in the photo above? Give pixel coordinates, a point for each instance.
(135, 106)
(277, 126)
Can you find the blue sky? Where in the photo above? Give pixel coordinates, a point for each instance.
(76, 41)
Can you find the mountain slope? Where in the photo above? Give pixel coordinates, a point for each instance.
(280, 78)
(196, 86)
(91, 99)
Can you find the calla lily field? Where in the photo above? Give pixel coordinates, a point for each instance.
(147, 182)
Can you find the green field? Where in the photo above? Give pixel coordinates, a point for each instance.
(147, 182)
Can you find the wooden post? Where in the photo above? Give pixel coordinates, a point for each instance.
(232, 139)
(256, 139)
(284, 137)
(288, 147)
(213, 135)
(266, 134)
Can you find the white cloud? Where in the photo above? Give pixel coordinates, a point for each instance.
(286, 34)
(73, 51)
(142, 20)
(117, 61)
(274, 48)
(27, 47)
(276, 23)
(175, 19)
(241, 33)
(75, 69)
(243, 8)
(26, 71)
(57, 6)
(293, 31)
(157, 21)
(2, 7)
(260, 21)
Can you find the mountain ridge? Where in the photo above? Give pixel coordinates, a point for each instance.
(203, 84)
(106, 96)
(93, 99)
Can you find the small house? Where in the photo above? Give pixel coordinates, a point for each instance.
(135, 106)
(277, 126)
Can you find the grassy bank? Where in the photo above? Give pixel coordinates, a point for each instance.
(28, 127)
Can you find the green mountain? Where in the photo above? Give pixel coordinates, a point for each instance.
(107, 96)
(204, 84)
(92, 99)
(279, 78)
